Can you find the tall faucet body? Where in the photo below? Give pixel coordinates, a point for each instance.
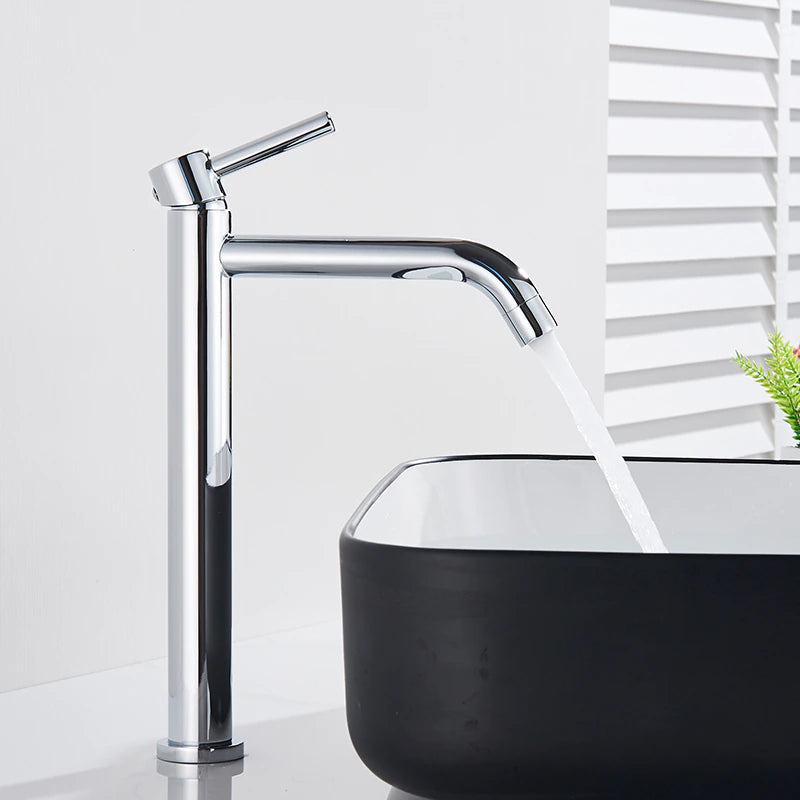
(202, 260)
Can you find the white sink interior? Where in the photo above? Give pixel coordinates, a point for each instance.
(529, 503)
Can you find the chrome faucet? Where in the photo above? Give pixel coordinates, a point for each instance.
(202, 259)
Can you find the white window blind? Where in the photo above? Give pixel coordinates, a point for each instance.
(703, 245)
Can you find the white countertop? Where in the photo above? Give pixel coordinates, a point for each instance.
(94, 736)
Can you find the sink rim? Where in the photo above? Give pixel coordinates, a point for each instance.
(349, 531)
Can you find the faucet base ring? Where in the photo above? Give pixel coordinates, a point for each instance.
(197, 754)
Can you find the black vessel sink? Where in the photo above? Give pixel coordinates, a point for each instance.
(504, 638)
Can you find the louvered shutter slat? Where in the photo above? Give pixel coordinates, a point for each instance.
(794, 189)
(794, 237)
(700, 33)
(730, 441)
(793, 287)
(794, 139)
(646, 403)
(657, 136)
(794, 91)
(656, 243)
(757, 3)
(667, 83)
(642, 190)
(692, 236)
(641, 351)
(644, 298)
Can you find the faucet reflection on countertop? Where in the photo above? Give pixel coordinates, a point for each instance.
(200, 781)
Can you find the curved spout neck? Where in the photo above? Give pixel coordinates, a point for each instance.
(475, 264)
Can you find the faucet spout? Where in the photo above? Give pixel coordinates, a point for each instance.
(499, 278)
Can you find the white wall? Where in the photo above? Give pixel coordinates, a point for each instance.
(466, 119)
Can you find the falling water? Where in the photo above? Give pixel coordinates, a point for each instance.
(599, 440)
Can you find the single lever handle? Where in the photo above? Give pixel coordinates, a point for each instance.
(272, 144)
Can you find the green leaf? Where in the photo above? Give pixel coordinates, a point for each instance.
(780, 377)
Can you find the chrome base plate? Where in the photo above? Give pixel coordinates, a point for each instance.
(195, 754)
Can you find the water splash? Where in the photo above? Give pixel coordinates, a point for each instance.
(599, 440)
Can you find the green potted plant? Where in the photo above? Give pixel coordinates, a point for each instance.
(780, 376)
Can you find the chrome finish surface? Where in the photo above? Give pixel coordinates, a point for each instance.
(193, 755)
(477, 265)
(185, 181)
(199, 487)
(273, 144)
(202, 259)
(194, 178)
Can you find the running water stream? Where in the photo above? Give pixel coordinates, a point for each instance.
(599, 440)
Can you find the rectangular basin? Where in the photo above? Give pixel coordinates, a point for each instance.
(504, 638)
